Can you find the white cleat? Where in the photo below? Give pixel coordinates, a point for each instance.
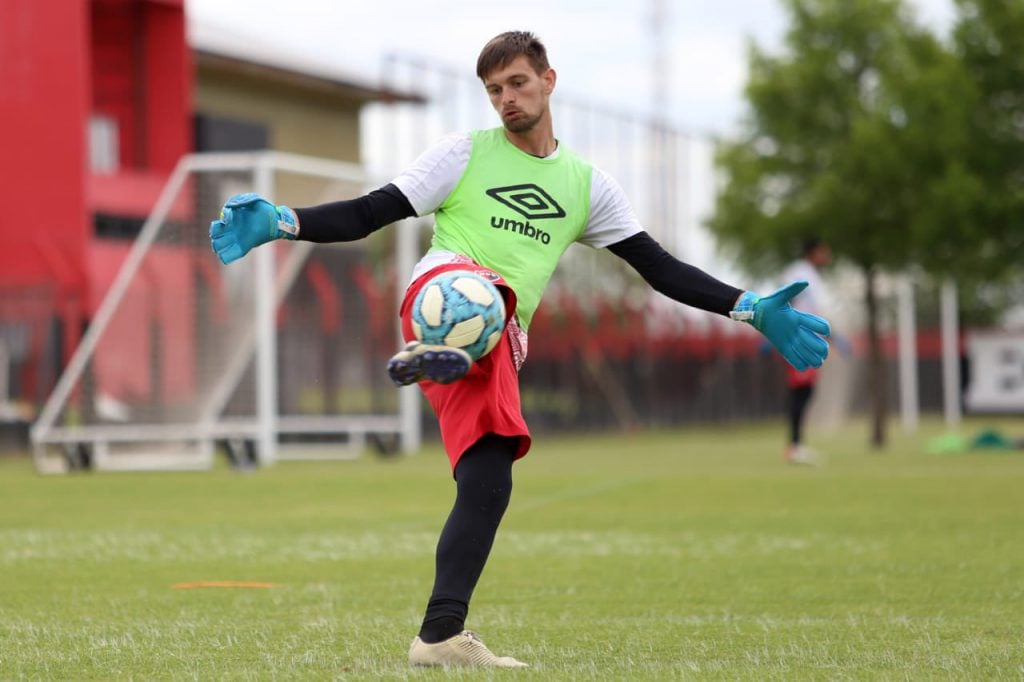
(463, 650)
(802, 456)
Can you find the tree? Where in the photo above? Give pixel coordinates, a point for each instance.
(856, 133)
(989, 40)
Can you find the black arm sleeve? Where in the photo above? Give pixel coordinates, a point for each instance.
(347, 221)
(674, 278)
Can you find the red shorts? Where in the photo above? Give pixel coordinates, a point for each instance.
(486, 400)
(797, 379)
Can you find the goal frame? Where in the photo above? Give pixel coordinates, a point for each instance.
(192, 445)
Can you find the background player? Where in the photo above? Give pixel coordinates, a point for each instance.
(800, 383)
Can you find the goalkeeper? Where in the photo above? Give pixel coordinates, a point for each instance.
(507, 203)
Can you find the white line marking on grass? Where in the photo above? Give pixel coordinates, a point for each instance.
(92, 548)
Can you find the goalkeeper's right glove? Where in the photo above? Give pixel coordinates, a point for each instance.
(248, 220)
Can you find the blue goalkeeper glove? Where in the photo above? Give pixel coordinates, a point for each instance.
(248, 220)
(797, 335)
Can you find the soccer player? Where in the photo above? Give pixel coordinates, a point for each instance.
(507, 203)
(800, 383)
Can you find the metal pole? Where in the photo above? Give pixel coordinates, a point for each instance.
(111, 300)
(407, 253)
(266, 337)
(950, 353)
(907, 333)
(661, 220)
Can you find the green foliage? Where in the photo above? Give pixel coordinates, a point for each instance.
(988, 302)
(989, 39)
(871, 133)
(642, 556)
(901, 152)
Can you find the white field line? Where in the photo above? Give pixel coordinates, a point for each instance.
(21, 546)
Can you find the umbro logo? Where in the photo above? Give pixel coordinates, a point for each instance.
(529, 201)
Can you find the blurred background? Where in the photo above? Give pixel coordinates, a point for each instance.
(893, 130)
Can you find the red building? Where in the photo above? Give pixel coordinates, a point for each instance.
(95, 114)
(96, 110)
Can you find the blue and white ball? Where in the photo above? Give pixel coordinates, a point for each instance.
(460, 309)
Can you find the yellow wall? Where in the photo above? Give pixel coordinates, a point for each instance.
(298, 121)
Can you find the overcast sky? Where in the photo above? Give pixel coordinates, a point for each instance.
(602, 50)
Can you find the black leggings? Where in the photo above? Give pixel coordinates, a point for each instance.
(483, 480)
(798, 399)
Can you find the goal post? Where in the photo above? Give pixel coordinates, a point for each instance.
(282, 352)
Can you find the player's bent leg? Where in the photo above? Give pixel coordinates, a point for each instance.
(420, 361)
(462, 650)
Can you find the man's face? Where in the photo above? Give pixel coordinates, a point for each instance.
(519, 94)
(821, 255)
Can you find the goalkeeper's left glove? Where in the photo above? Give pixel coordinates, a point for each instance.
(797, 335)
(248, 220)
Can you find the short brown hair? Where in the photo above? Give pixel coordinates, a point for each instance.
(502, 49)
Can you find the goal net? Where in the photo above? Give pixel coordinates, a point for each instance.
(278, 355)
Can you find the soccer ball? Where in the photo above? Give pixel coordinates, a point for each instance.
(461, 309)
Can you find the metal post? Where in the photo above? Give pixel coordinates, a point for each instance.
(407, 253)
(950, 353)
(116, 292)
(266, 337)
(907, 333)
(661, 219)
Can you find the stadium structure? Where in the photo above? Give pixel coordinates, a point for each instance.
(98, 119)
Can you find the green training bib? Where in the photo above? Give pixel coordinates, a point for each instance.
(515, 214)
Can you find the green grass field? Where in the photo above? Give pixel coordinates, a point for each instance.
(693, 554)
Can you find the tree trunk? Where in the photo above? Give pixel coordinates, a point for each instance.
(876, 364)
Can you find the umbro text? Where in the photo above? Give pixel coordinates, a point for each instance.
(525, 229)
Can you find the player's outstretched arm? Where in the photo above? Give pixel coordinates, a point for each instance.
(248, 220)
(797, 335)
